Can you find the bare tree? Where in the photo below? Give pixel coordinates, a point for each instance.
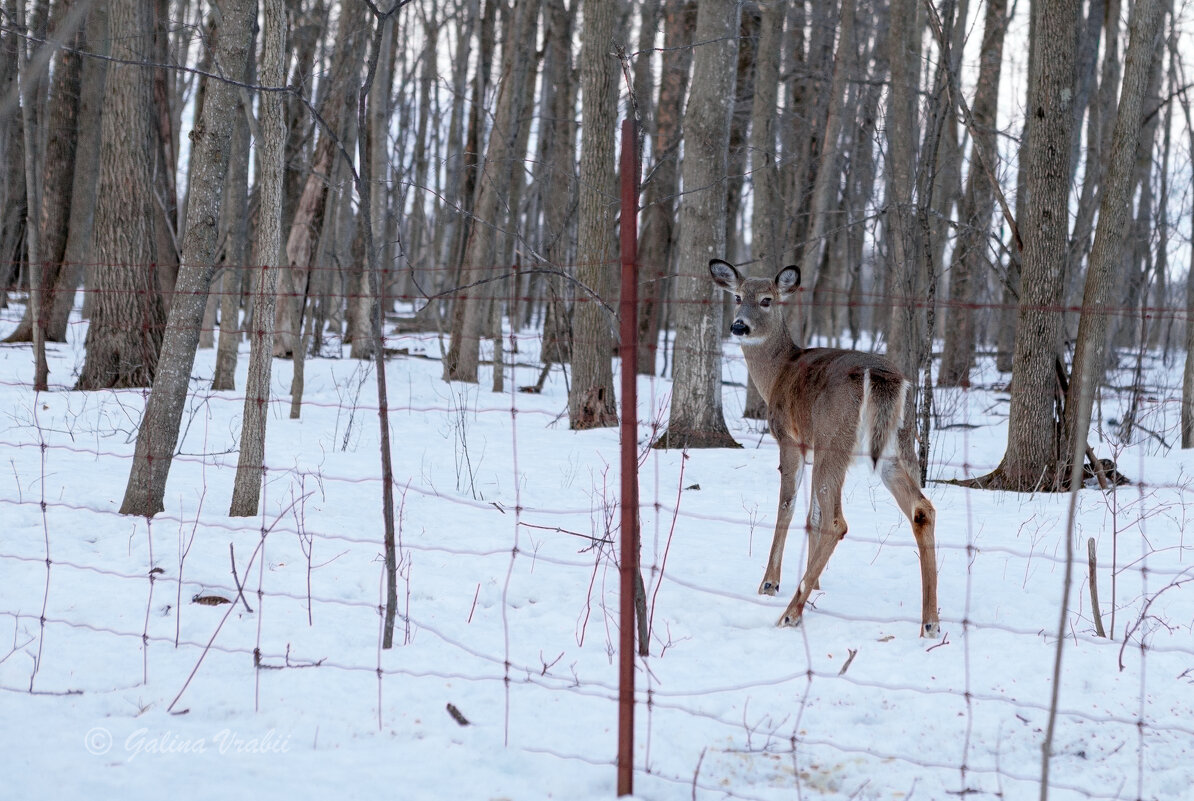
(268, 246)
(127, 314)
(696, 410)
(335, 111)
(210, 144)
(591, 401)
(970, 253)
(1031, 458)
(1114, 211)
(557, 165)
(657, 233)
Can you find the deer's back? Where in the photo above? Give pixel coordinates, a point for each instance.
(818, 399)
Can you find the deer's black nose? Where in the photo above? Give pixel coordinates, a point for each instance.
(739, 328)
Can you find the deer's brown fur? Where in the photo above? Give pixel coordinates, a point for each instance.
(835, 405)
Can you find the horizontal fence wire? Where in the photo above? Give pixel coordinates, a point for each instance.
(507, 530)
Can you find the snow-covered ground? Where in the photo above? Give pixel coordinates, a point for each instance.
(117, 682)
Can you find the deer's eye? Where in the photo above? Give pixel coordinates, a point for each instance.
(764, 302)
(737, 298)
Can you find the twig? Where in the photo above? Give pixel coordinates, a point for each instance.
(1094, 588)
(236, 579)
(849, 659)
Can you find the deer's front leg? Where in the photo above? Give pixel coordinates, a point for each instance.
(791, 467)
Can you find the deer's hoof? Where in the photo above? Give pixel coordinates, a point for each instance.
(931, 630)
(790, 620)
(769, 587)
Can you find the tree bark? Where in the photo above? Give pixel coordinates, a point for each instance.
(558, 167)
(234, 224)
(307, 222)
(1031, 459)
(825, 187)
(696, 410)
(657, 234)
(970, 252)
(591, 401)
(58, 175)
(127, 315)
(1114, 218)
(210, 144)
(495, 183)
(79, 256)
(250, 467)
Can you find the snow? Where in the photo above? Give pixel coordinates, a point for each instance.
(508, 599)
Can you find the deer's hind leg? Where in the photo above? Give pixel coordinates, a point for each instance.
(899, 477)
(791, 468)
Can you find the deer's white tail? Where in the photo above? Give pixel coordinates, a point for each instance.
(882, 412)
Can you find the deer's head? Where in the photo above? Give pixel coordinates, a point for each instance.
(757, 313)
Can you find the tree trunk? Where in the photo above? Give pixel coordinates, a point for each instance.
(558, 167)
(767, 209)
(744, 90)
(78, 256)
(1187, 416)
(128, 317)
(591, 401)
(1114, 218)
(1031, 459)
(250, 467)
(166, 222)
(696, 411)
(307, 222)
(210, 143)
(495, 183)
(32, 79)
(657, 234)
(970, 252)
(234, 223)
(904, 256)
(825, 187)
(58, 176)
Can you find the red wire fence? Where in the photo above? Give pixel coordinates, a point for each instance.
(196, 606)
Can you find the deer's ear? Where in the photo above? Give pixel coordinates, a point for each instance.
(787, 280)
(725, 275)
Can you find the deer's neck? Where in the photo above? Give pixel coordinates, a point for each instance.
(765, 360)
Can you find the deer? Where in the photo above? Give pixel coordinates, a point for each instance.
(834, 404)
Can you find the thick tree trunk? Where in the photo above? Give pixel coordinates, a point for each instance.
(250, 467)
(210, 144)
(1030, 462)
(1114, 212)
(127, 316)
(696, 410)
(591, 401)
(904, 256)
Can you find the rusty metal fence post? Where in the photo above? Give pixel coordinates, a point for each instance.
(628, 351)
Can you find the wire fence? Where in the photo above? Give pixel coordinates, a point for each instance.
(509, 584)
(192, 587)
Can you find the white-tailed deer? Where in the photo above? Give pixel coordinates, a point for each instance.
(836, 404)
